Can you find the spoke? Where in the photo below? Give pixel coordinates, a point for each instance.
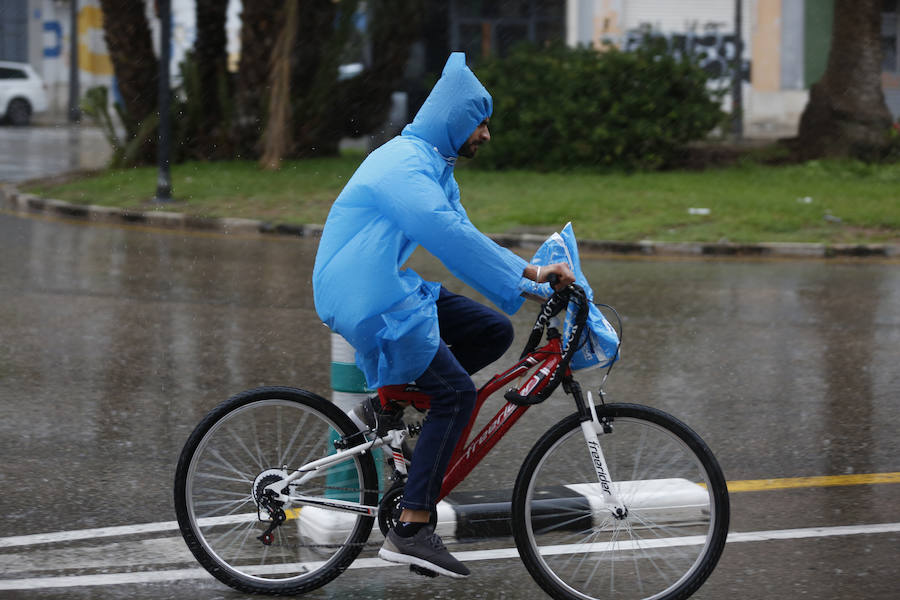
(225, 464)
(679, 551)
(290, 444)
(309, 449)
(279, 411)
(638, 455)
(561, 524)
(612, 561)
(205, 491)
(243, 499)
(657, 529)
(245, 528)
(248, 533)
(242, 445)
(260, 458)
(236, 504)
(244, 480)
(586, 540)
(648, 556)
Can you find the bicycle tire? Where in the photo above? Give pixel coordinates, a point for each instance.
(575, 548)
(246, 443)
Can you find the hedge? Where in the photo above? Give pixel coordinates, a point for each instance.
(561, 107)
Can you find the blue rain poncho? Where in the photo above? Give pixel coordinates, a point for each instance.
(404, 195)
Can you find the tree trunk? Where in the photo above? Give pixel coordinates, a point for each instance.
(323, 109)
(317, 54)
(275, 139)
(846, 114)
(260, 26)
(130, 46)
(211, 139)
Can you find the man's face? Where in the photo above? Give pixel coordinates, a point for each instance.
(481, 135)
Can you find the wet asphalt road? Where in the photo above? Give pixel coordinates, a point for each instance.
(114, 341)
(44, 151)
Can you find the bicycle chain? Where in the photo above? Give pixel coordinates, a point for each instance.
(362, 544)
(346, 489)
(296, 546)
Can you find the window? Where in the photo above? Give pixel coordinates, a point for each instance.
(484, 27)
(890, 26)
(7, 73)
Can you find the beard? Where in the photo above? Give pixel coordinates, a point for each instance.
(468, 149)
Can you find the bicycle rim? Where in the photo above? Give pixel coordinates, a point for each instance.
(672, 487)
(255, 441)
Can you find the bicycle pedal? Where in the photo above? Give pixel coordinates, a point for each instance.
(422, 571)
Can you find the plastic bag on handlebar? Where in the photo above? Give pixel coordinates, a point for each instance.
(599, 344)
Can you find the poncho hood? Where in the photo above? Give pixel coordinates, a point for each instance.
(457, 104)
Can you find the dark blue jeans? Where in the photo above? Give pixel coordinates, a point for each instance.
(473, 336)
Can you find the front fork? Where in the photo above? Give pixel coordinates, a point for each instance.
(591, 426)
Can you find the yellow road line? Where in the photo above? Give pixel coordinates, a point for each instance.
(759, 485)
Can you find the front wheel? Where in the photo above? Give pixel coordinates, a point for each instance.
(672, 487)
(19, 112)
(232, 524)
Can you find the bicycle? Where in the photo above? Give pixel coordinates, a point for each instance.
(276, 490)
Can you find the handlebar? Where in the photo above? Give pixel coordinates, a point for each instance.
(552, 307)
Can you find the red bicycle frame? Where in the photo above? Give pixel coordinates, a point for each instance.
(467, 456)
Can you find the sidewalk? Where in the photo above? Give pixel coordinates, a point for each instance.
(14, 200)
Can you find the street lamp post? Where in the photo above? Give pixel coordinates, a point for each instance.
(164, 177)
(737, 103)
(74, 91)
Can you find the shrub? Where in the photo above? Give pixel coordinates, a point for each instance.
(561, 107)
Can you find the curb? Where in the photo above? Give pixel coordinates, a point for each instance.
(460, 522)
(13, 199)
(472, 516)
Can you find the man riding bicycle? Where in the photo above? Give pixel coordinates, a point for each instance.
(402, 327)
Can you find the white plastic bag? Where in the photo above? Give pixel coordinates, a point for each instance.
(598, 346)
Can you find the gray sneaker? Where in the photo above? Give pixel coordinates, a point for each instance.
(425, 549)
(369, 415)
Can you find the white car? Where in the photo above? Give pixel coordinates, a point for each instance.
(22, 93)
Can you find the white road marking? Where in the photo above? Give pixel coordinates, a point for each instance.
(86, 534)
(123, 530)
(368, 563)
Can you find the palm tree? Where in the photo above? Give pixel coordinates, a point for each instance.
(211, 137)
(260, 27)
(130, 47)
(275, 139)
(846, 114)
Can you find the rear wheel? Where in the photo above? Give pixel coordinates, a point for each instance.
(671, 485)
(235, 528)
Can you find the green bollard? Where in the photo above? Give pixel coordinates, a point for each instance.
(348, 388)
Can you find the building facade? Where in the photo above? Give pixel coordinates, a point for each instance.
(784, 43)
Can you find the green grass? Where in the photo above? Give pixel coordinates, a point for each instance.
(848, 202)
